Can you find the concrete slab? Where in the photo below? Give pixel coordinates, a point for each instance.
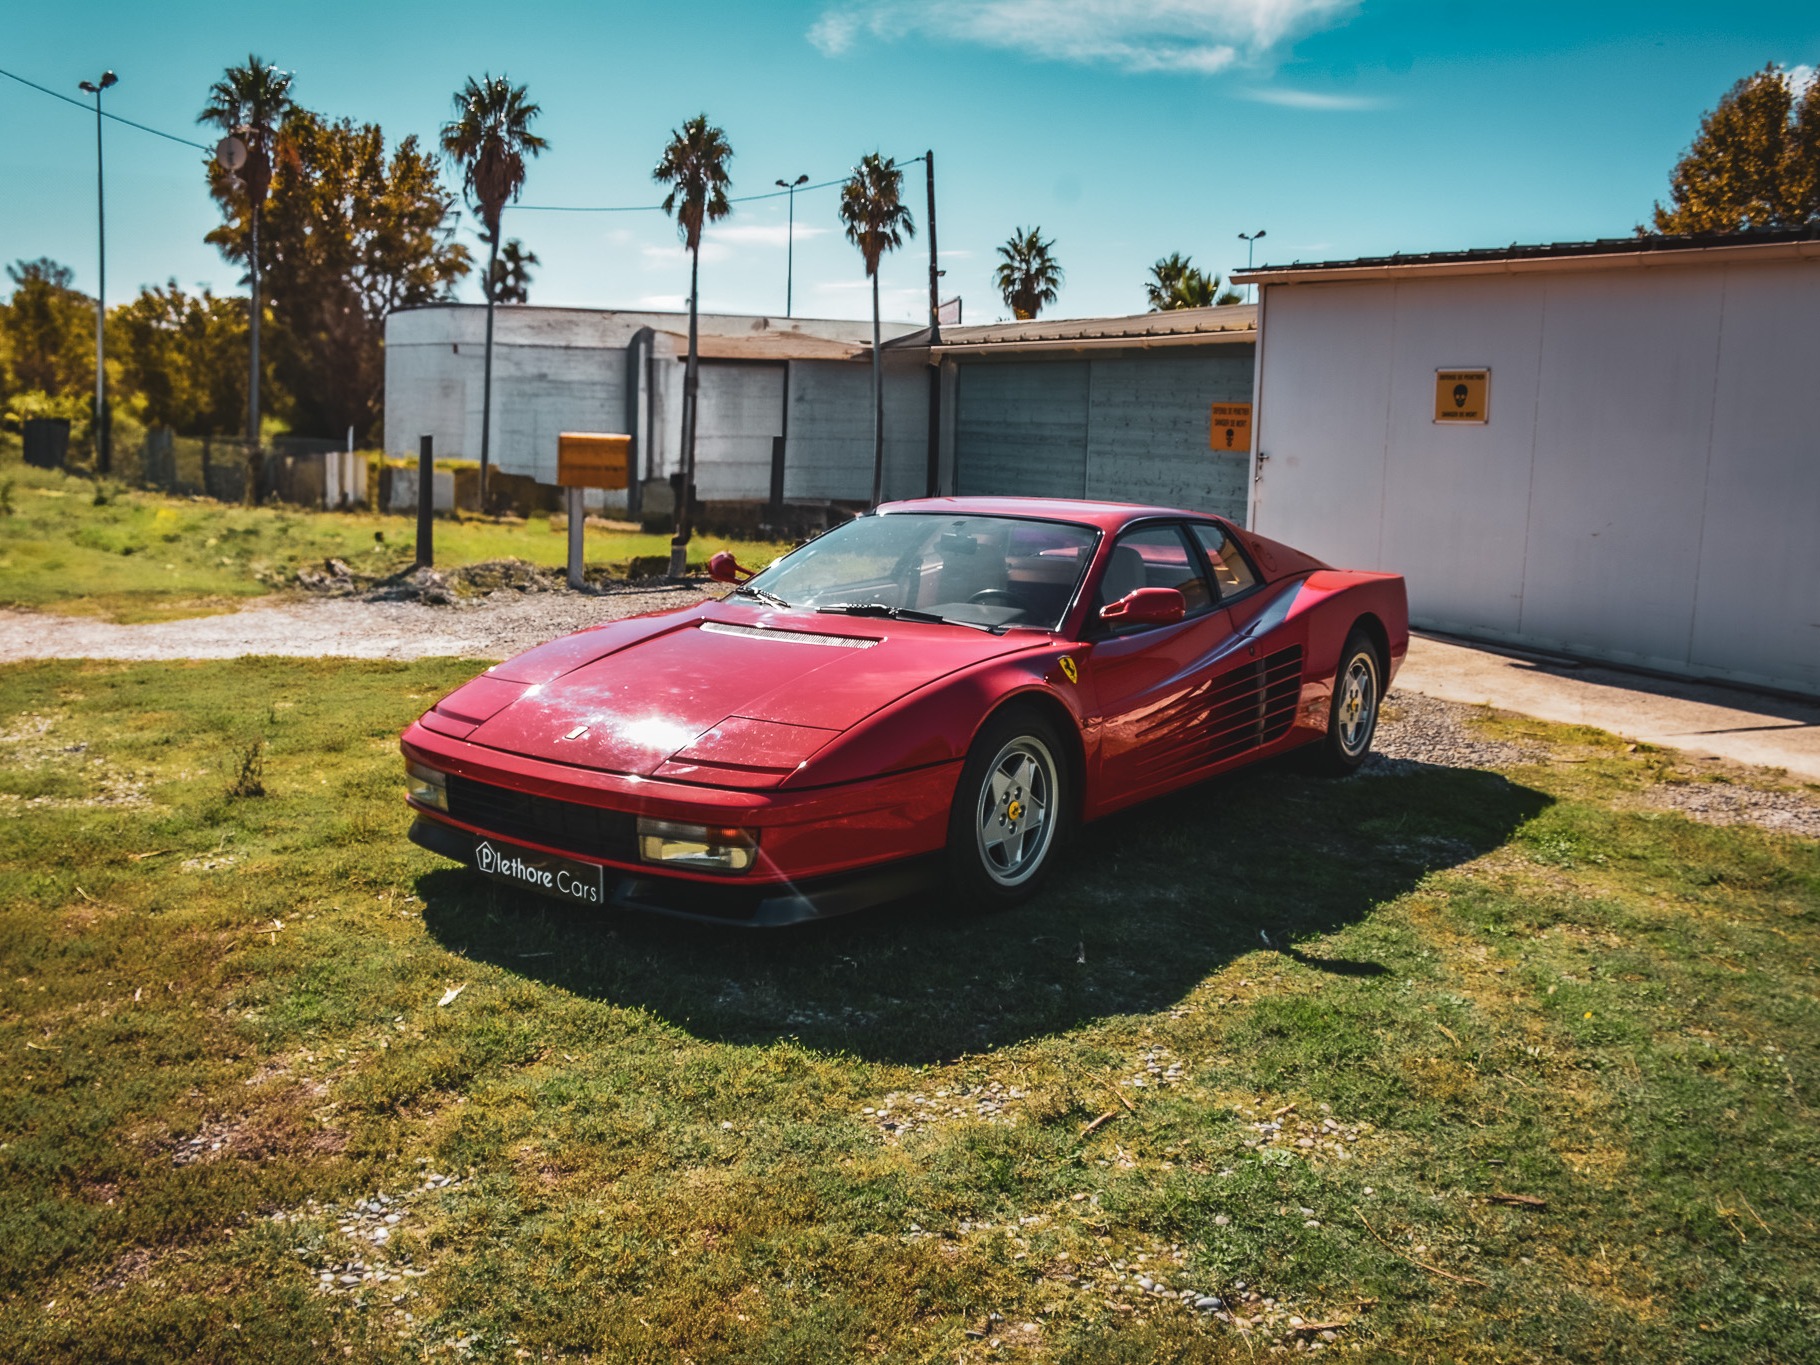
(1728, 722)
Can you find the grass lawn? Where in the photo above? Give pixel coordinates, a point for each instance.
(231, 1024)
(143, 556)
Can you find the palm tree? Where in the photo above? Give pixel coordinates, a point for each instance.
(1027, 275)
(489, 138)
(512, 273)
(1177, 283)
(694, 166)
(250, 102)
(877, 221)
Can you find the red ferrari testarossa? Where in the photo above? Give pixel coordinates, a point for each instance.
(931, 693)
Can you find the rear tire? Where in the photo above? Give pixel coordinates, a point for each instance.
(1011, 810)
(1352, 717)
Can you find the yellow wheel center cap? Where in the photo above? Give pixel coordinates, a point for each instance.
(1014, 812)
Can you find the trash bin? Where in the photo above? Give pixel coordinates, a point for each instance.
(47, 441)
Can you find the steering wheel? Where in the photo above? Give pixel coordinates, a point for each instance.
(999, 597)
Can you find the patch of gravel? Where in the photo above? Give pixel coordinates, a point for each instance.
(1416, 731)
(1783, 811)
(497, 625)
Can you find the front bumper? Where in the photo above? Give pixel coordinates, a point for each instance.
(724, 902)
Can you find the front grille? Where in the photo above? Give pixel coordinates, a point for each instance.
(587, 830)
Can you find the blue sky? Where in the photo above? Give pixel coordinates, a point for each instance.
(1124, 130)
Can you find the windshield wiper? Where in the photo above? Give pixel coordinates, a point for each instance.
(902, 614)
(770, 599)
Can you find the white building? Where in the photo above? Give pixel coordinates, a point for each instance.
(785, 408)
(1635, 478)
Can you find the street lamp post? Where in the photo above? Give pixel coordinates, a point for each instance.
(1250, 239)
(790, 242)
(103, 441)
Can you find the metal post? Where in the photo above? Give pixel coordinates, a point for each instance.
(932, 463)
(790, 241)
(426, 500)
(577, 516)
(104, 442)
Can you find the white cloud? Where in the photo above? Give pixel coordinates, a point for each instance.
(1800, 79)
(1309, 99)
(1196, 36)
(676, 254)
(760, 234)
(664, 303)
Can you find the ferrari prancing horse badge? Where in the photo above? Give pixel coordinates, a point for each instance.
(1069, 668)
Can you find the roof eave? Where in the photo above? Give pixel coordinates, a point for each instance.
(1750, 253)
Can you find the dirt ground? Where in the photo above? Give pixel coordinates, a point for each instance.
(492, 627)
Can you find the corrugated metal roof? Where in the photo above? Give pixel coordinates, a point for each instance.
(774, 345)
(1181, 326)
(1616, 250)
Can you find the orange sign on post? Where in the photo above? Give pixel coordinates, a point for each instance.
(592, 459)
(1231, 429)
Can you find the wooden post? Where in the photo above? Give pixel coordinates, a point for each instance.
(426, 500)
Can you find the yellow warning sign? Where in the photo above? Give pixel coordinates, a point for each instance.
(1231, 429)
(1462, 395)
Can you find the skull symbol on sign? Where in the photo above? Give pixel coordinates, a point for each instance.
(1459, 395)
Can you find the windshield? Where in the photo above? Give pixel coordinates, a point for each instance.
(995, 572)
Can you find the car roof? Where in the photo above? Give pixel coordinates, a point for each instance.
(1107, 516)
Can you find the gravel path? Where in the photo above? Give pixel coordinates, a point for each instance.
(493, 627)
(1415, 730)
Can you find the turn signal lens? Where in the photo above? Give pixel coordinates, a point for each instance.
(426, 786)
(702, 848)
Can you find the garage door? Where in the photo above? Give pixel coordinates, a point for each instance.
(741, 409)
(1020, 428)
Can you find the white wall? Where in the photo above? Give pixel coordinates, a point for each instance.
(1646, 489)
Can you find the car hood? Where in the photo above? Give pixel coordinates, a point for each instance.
(720, 694)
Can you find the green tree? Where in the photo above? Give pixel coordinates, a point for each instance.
(1755, 162)
(1176, 282)
(877, 220)
(180, 359)
(490, 138)
(49, 331)
(352, 231)
(1027, 276)
(512, 273)
(250, 102)
(694, 166)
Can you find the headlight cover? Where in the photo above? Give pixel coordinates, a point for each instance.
(698, 848)
(427, 786)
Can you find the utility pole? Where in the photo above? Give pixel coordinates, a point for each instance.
(932, 462)
(790, 241)
(103, 433)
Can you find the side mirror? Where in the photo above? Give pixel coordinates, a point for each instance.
(1148, 607)
(724, 568)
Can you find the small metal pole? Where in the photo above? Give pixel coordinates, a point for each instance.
(426, 500)
(577, 516)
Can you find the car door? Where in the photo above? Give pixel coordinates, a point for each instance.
(1150, 682)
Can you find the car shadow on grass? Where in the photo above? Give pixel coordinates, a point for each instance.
(1143, 907)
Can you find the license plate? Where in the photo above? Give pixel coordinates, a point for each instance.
(546, 873)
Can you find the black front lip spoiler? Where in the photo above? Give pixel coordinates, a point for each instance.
(744, 907)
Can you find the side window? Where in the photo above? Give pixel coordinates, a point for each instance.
(1155, 557)
(1224, 560)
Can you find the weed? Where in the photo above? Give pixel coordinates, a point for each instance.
(249, 770)
(6, 498)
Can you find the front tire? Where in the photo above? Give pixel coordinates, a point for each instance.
(1352, 717)
(1011, 809)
